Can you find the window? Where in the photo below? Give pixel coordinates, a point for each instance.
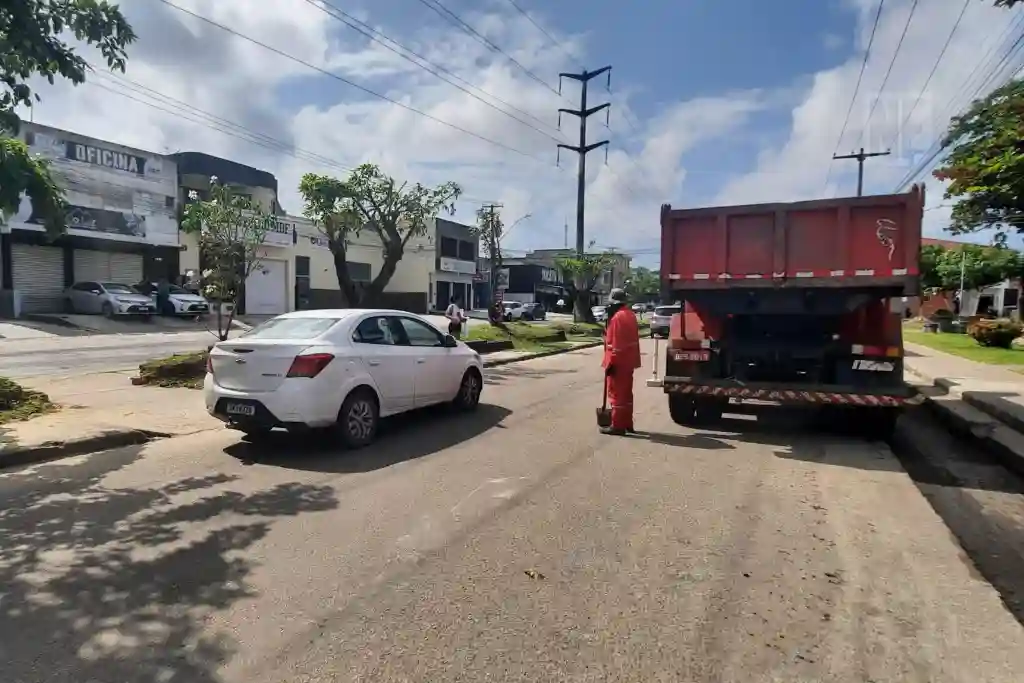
(467, 252)
(291, 328)
(118, 288)
(84, 286)
(359, 272)
(374, 331)
(449, 247)
(419, 334)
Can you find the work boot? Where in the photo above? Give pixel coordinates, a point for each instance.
(613, 431)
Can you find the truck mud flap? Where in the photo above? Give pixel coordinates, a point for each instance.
(789, 396)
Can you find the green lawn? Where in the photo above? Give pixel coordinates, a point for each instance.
(962, 345)
(527, 336)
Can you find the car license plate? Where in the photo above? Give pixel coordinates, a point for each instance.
(240, 409)
(698, 356)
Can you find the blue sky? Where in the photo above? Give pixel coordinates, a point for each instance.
(727, 102)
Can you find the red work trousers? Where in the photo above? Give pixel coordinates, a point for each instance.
(620, 398)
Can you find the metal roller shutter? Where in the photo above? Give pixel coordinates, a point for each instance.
(126, 268)
(39, 276)
(107, 266)
(91, 265)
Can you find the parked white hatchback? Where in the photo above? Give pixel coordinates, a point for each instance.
(344, 369)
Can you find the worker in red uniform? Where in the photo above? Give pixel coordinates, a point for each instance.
(621, 359)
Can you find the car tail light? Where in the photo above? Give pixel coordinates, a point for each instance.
(309, 365)
(209, 363)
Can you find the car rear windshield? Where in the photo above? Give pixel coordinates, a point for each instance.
(666, 310)
(291, 328)
(116, 288)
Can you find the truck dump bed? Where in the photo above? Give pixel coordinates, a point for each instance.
(847, 242)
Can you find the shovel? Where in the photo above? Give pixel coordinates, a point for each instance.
(604, 416)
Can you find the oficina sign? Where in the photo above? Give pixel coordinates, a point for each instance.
(97, 156)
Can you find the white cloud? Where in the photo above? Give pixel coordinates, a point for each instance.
(194, 62)
(798, 168)
(189, 60)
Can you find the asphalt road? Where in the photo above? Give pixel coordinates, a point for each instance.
(79, 355)
(516, 544)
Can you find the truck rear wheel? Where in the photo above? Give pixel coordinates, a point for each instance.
(682, 410)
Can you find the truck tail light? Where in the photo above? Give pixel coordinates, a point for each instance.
(309, 365)
(884, 351)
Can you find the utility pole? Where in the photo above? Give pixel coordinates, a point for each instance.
(861, 156)
(493, 245)
(583, 148)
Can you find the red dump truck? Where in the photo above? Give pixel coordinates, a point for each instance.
(797, 303)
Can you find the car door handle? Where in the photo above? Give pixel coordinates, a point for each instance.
(373, 363)
(420, 361)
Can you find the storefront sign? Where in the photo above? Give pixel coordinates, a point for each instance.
(97, 156)
(280, 233)
(451, 265)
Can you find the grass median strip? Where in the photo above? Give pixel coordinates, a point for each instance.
(188, 369)
(18, 403)
(964, 346)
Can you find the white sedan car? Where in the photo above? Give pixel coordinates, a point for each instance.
(344, 369)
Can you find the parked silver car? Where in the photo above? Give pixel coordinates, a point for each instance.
(180, 301)
(108, 298)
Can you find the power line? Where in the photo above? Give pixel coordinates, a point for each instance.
(187, 112)
(342, 79)
(935, 67)
(936, 149)
(436, 69)
(856, 90)
(456, 20)
(888, 72)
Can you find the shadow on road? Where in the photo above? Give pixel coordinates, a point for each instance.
(404, 437)
(110, 584)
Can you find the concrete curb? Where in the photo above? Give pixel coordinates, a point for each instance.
(541, 354)
(962, 417)
(16, 456)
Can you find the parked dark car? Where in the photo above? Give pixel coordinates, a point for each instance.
(534, 311)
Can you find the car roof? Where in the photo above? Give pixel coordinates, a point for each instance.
(342, 313)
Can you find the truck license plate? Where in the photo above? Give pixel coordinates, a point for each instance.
(698, 356)
(240, 409)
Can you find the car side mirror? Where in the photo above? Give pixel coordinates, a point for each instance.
(450, 342)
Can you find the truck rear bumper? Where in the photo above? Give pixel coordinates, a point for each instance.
(820, 395)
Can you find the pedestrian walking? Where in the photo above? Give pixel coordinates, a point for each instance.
(455, 317)
(620, 362)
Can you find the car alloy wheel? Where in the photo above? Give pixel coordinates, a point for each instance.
(469, 391)
(359, 418)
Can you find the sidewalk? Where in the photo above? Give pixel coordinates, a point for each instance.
(980, 400)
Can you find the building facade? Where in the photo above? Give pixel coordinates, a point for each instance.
(455, 270)
(533, 283)
(613, 277)
(122, 221)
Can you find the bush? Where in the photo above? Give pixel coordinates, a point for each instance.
(998, 333)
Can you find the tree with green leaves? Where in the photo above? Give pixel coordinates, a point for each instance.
(230, 230)
(982, 266)
(371, 201)
(985, 164)
(929, 266)
(31, 45)
(580, 274)
(490, 229)
(643, 284)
